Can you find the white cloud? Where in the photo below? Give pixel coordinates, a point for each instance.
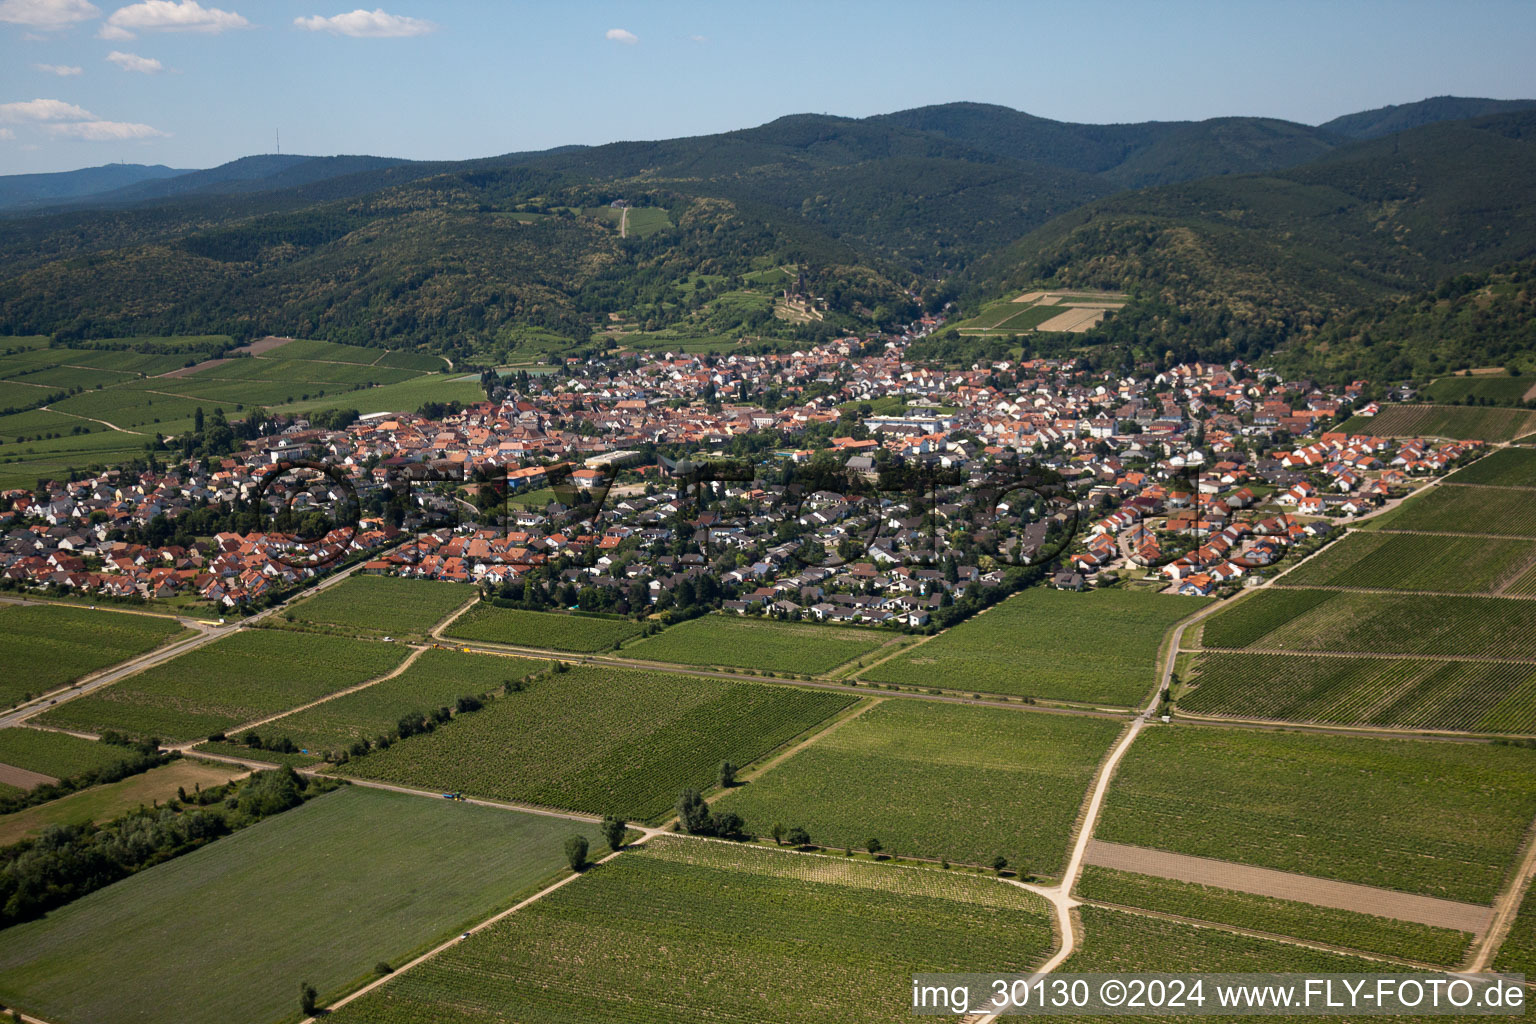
(47, 14)
(104, 131)
(361, 24)
(619, 35)
(133, 62)
(698, 39)
(42, 110)
(169, 16)
(6, 133)
(62, 70)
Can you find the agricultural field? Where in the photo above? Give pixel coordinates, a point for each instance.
(604, 741)
(763, 645)
(937, 780)
(375, 606)
(1303, 621)
(1441, 819)
(1456, 422)
(1364, 932)
(1506, 467)
(1518, 953)
(55, 753)
(1119, 942)
(48, 646)
(1496, 511)
(1498, 388)
(552, 630)
(1410, 561)
(250, 675)
(711, 931)
(113, 799)
(135, 391)
(435, 679)
(282, 900)
(1097, 647)
(1391, 692)
(1029, 312)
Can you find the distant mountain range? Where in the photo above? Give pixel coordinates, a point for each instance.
(1237, 235)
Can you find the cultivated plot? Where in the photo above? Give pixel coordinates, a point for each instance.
(284, 900)
(937, 780)
(604, 741)
(1496, 511)
(552, 630)
(1365, 932)
(239, 679)
(1518, 953)
(1305, 621)
(1116, 941)
(1391, 692)
(47, 646)
(1507, 467)
(381, 605)
(1459, 422)
(1441, 819)
(762, 645)
(57, 754)
(1098, 647)
(1411, 561)
(434, 680)
(759, 935)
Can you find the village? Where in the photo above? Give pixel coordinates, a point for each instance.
(564, 488)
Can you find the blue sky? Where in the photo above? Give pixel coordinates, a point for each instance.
(193, 83)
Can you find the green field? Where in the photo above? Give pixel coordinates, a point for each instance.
(1301, 621)
(241, 678)
(433, 680)
(1114, 941)
(1507, 467)
(763, 645)
(1364, 932)
(56, 753)
(102, 803)
(1392, 692)
(1500, 511)
(48, 646)
(1099, 647)
(605, 741)
(553, 630)
(285, 900)
(1518, 953)
(678, 930)
(1459, 422)
(374, 606)
(938, 780)
(1500, 389)
(1443, 819)
(1408, 561)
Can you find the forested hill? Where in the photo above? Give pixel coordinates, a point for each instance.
(874, 218)
(1372, 124)
(1235, 265)
(1127, 155)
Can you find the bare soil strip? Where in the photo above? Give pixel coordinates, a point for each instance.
(1285, 885)
(1073, 320)
(22, 779)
